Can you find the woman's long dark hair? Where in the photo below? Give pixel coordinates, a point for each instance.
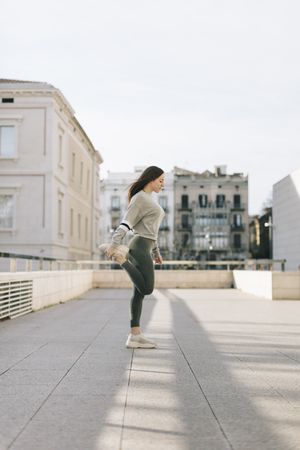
(149, 174)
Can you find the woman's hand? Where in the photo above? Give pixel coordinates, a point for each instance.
(158, 260)
(110, 251)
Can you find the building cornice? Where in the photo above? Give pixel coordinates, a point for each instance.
(11, 88)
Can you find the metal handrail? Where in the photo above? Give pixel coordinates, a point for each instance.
(57, 264)
(250, 263)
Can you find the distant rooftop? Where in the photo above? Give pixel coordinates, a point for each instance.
(220, 171)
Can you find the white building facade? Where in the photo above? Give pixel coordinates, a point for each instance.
(49, 175)
(286, 220)
(114, 202)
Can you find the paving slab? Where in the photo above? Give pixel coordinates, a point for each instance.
(225, 375)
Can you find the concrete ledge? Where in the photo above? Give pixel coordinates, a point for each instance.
(52, 287)
(271, 285)
(254, 282)
(168, 279)
(286, 285)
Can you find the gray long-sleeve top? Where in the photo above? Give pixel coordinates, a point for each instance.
(143, 217)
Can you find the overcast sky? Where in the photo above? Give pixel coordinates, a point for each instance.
(191, 83)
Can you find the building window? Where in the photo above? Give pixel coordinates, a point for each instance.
(7, 141)
(237, 220)
(79, 225)
(71, 222)
(73, 165)
(163, 201)
(219, 241)
(115, 222)
(6, 212)
(86, 233)
(88, 181)
(60, 150)
(115, 202)
(203, 200)
(185, 221)
(237, 201)
(164, 224)
(184, 201)
(237, 241)
(220, 219)
(185, 240)
(202, 221)
(220, 200)
(163, 242)
(60, 216)
(81, 172)
(96, 232)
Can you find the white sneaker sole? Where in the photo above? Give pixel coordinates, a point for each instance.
(139, 345)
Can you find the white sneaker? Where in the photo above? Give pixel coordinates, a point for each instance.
(139, 341)
(119, 250)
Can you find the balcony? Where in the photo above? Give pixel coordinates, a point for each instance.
(240, 249)
(235, 227)
(184, 228)
(212, 205)
(181, 207)
(238, 207)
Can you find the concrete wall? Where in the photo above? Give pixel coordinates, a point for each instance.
(286, 219)
(50, 288)
(286, 285)
(271, 285)
(254, 282)
(168, 279)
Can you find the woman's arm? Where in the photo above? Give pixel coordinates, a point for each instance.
(132, 216)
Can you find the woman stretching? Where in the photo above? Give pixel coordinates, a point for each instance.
(143, 217)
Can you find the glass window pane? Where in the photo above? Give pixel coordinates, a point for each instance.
(6, 211)
(7, 143)
(115, 202)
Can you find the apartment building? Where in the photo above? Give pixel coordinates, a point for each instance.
(211, 214)
(49, 185)
(114, 202)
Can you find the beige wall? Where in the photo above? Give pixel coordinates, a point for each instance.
(168, 279)
(40, 176)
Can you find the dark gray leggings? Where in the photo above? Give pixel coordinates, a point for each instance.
(140, 269)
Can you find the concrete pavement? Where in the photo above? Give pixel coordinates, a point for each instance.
(226, 374)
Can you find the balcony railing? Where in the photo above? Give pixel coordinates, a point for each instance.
(238, 206)
(184, 228)
(181, 207)
(235, 227)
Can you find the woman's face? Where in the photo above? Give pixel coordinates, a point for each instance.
(158, 183)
